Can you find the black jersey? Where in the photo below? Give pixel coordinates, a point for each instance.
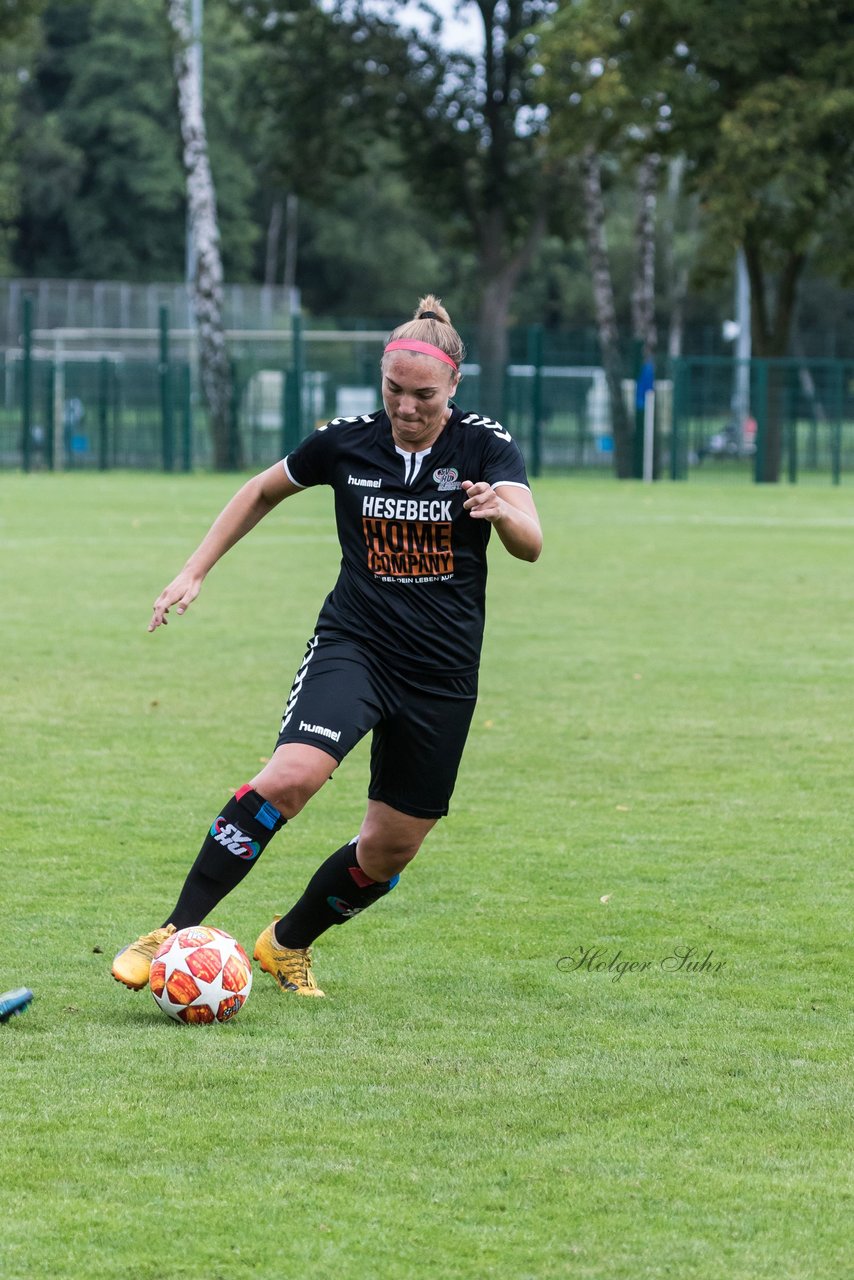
(412, 584)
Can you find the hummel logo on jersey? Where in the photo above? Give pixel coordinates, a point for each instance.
(334, 735)
(234, 840)
(364, 484)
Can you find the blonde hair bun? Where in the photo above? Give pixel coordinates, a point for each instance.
(435, 328)
(433, 305)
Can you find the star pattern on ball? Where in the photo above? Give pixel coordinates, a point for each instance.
(201, 975)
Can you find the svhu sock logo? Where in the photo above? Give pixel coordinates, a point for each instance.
(343, 908)
(234, 840)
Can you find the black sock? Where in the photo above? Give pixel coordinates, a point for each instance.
(338, 890)
(231, 848)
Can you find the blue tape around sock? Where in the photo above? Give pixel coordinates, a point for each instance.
(268, 815)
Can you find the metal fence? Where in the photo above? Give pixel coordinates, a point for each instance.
(84, 398)
(762, 419)
(97, 398)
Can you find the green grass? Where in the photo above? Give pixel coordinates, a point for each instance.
(665, 723)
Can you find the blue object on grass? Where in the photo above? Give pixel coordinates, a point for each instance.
(12, 1002)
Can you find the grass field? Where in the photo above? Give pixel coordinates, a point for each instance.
(661, 760)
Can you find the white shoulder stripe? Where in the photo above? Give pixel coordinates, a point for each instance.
(288, 474)
(479, 420)
(511, 484)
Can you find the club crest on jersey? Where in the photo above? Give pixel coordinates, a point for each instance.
(447, 478)
(234, 840)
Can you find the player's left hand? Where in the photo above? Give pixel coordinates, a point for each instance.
(482, 502)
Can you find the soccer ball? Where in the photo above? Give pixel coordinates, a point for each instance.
(200, 974)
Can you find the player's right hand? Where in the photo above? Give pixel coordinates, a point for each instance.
(182, 591)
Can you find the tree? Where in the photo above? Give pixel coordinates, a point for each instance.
(478, 156)
(16, 18)
(9, 159)
(214, 362)
(762, 97)
(759, 97)
(605, 309)
(464, 131)
(597, 110)
(349, 270)
(313, 98)
(17, 34)
(99, 177)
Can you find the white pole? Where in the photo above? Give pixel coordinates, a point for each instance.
(648, 435)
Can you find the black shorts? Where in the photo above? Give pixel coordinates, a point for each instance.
(341, 691)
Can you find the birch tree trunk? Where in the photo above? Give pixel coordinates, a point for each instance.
(643, 289)
(606, 312)
(677, 266)
(289, 277)
(214, 363)
(274, 231)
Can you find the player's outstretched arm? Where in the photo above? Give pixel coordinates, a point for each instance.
(249, 505)
(512, 514)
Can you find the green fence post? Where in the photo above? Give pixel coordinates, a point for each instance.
(167, 436)
(290, 412)
(284, 414)
(298, 356)
(50, 417)
(187, 419)
(535, 358)
(790, 416)
(680, 373)
(116, 397)
(27, 386)
(760, 401)
(103, 413)
(836, 436)
(292, 391)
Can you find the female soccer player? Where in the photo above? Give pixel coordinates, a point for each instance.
(418, 485)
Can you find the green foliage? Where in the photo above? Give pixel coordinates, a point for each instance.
(18, 35)
(348, 269)
(103, 193)
(763, 104)
(317, 84)
(757, 94)
(9, 195)
(596, 89)
(119, 111)
(473, 135)
(16, 17)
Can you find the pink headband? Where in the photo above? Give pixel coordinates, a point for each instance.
(425, 348)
